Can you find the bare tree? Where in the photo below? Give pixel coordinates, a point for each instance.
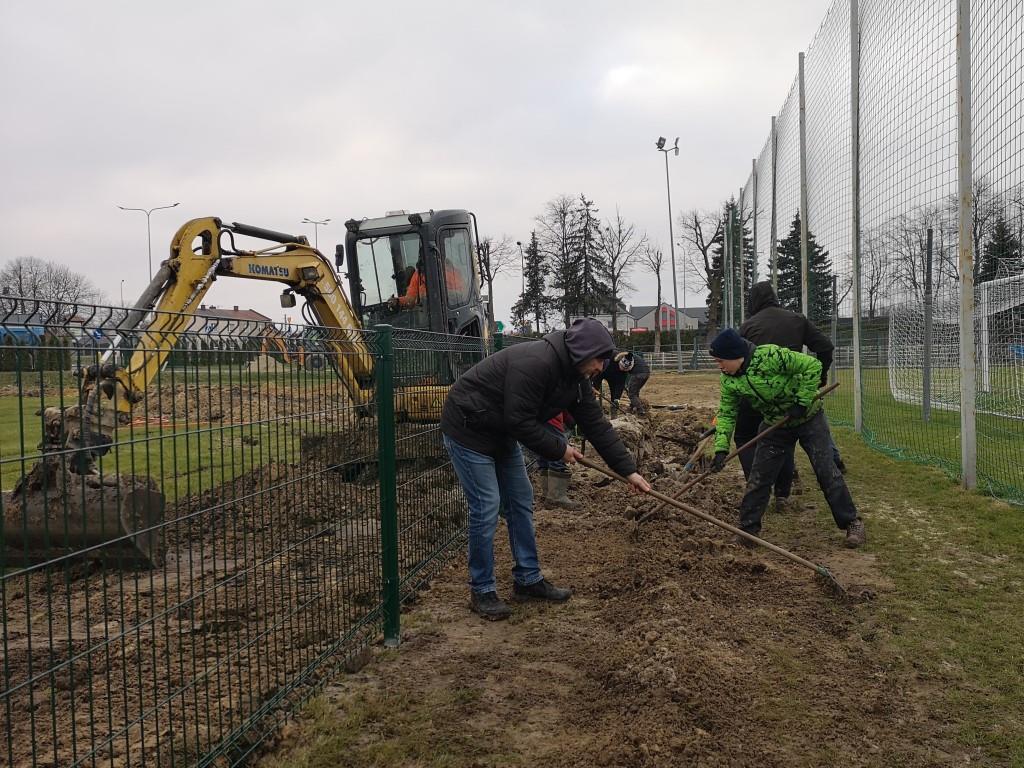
(621, 245)
(497, 257)
(906, 238)
(555, 240)
(48, 285)
(652, 259)
(875, 270)
(700, 232)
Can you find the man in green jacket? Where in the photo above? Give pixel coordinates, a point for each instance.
(778, 382)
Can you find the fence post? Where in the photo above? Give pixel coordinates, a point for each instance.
(773, 253)
(926, 367)
(858, 379)
(390, 582)
(804, 278)
(753, 173)
(968, 362)
(833, 373)
(742, 256)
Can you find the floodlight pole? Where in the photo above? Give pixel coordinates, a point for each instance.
(317, 223)
(672, 247)
(149, 231)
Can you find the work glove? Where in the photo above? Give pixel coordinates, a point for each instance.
(719, 461)
(796, 412)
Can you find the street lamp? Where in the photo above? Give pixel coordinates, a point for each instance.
(316, 225)
(660, 144)
(522, 267)
(122, 292)
(149, 235)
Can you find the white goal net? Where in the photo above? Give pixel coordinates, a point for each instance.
(918, 377)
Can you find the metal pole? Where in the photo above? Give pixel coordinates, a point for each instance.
(391, 581)
(727, 268)
(926, 363)
(753, 173)
(804, 276)
(968, 361)
(742, 260)
(675, 287)
(149, 245)
(858, 382)
(835, 326)
(774, 246)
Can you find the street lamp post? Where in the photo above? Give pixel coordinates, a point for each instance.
(660, 144)
(522, 267)
(122, 292)
(149, 232)
(316, 229)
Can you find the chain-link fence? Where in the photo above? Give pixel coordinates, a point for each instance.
(903, 130)
(199, 528)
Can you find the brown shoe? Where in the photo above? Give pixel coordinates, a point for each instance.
(784, 504)
(855, 534)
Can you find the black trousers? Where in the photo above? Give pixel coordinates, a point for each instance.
(769, 458)
(748, 424)
(633, 387)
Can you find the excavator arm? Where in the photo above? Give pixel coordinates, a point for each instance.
(202, 251)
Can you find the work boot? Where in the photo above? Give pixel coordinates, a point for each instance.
(558, 490)
(744, 542)
(489, 605)
(541, 590)
(545, 481)
(784, 504)
(855, 534)
(798, 486)
(615, 410)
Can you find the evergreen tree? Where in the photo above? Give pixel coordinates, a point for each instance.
(590, 294)
(1001, 256)
(819, 267)
(533, 301)
(716, 296)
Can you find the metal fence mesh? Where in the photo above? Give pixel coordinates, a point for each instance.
(182, 636)
(909, 217)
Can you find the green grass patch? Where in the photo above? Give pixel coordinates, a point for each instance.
(954, 618)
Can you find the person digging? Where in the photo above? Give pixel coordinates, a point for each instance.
(778, 382)
(502, 401)
(627, 372)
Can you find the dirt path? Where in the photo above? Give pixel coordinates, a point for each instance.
(678, 648)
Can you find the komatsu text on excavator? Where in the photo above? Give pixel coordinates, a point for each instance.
(413, 271)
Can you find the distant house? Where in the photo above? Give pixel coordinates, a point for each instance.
(221, 321)
(625, 321)
(647, 317)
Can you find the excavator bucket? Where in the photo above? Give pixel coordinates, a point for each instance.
(53, 514)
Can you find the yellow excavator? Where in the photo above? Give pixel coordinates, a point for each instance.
(416, 272)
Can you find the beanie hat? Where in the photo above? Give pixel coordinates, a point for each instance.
(729, 345)
(588, 338)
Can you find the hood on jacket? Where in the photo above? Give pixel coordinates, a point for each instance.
(587, 338)
(761, 296)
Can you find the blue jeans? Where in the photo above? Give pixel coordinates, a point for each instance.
(492, 484)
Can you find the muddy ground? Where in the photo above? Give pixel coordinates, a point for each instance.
(678, 648)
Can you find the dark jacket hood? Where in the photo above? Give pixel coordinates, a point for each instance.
(588, 338)
(761, 296)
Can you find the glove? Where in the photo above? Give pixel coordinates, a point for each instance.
(393, 304)
(797, 411)
(719, 461)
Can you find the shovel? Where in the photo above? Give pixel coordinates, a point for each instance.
(753, 441)
(823, 573)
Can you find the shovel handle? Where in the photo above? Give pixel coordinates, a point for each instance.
(708, 518)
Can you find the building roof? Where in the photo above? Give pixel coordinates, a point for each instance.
(698, 313)
(223, 313)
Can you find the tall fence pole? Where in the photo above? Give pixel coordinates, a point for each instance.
(753, 174)
(858, 379)
(727, 267)
(773, 245)
(926, 363)
(391, 583)
(804, 277)
(833, 373)
(742, 260)
(968, 362)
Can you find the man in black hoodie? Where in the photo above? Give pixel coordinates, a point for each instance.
(502, 401)
(768, 323)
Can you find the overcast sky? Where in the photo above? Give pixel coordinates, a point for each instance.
(270, 112)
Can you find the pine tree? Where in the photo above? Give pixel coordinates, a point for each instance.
(819, 266)
(1001, 256)
(533, 301)
(591, 293)
(717, 297)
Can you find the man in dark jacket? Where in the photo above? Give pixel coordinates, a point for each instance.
(768, 323)
(502, 401)
(628, 371)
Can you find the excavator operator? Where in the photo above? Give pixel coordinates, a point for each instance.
(416, 290)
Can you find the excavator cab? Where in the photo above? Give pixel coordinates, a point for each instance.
(416, 271)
